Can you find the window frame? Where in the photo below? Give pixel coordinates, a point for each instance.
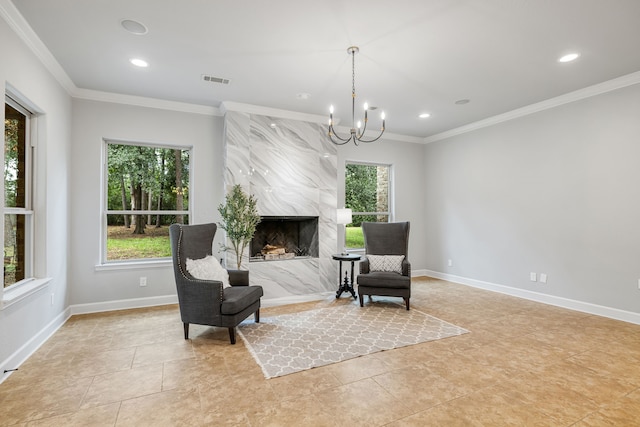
(35, 259)
(106, 264)
(390, 196)
(27, 210)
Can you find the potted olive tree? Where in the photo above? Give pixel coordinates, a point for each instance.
(239, 220)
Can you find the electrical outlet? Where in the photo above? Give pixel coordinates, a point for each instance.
(450, 263)
(52, 295)
(543, 278)
(638, 283)
(143, 281)
(533, 277)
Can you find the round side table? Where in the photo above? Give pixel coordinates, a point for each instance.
(346, 285)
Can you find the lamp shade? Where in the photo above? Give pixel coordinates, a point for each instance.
(343, 216)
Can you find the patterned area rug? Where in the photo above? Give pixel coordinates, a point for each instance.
(295, 342)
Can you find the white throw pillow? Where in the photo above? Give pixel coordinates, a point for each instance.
(391, 263)
(208, 268)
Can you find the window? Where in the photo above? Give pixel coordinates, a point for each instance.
(367, 194)
(18, 213)
(147, 189)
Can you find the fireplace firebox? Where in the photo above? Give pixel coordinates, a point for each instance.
(280, 238)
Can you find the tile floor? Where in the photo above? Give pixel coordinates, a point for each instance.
(524, 364)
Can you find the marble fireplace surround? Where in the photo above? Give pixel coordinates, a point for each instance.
(291, 169)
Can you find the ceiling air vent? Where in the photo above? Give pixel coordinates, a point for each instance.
(213, 79)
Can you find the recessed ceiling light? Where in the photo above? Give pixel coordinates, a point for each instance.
(424, 115)
(462, 101)
(139, 62)
(134, 27)
(273, 125)
(569, 57)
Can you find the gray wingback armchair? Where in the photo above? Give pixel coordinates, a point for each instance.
(385, 239)
(206, 302)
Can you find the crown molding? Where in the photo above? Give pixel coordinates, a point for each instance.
(23, 30)
(577, 95)
(403, 138)
(141, 101)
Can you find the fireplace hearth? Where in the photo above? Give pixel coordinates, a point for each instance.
(279, 238)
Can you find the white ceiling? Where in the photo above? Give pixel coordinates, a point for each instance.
(415, 55)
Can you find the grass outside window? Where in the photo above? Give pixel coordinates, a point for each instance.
(354, 238)
(122, 244)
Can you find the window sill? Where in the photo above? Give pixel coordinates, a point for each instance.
(132, 265)
(19, 292)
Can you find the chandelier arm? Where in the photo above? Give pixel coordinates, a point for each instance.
(371, 140)
(340, 142)
(332, 133)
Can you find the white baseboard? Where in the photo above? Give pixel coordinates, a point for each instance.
(418, 273)
(173, 299)
(24, 352)
(585, 307)
(123, 304)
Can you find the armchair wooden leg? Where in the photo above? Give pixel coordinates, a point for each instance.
(406, 301)
(256, 316)
(361, 300)
(232, 335)
(186, 331)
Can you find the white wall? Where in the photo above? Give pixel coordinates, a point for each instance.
(93, 121)
(21, 322)
(408, 176)
(557, 192)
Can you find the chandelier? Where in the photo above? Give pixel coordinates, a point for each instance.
(357, 129)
